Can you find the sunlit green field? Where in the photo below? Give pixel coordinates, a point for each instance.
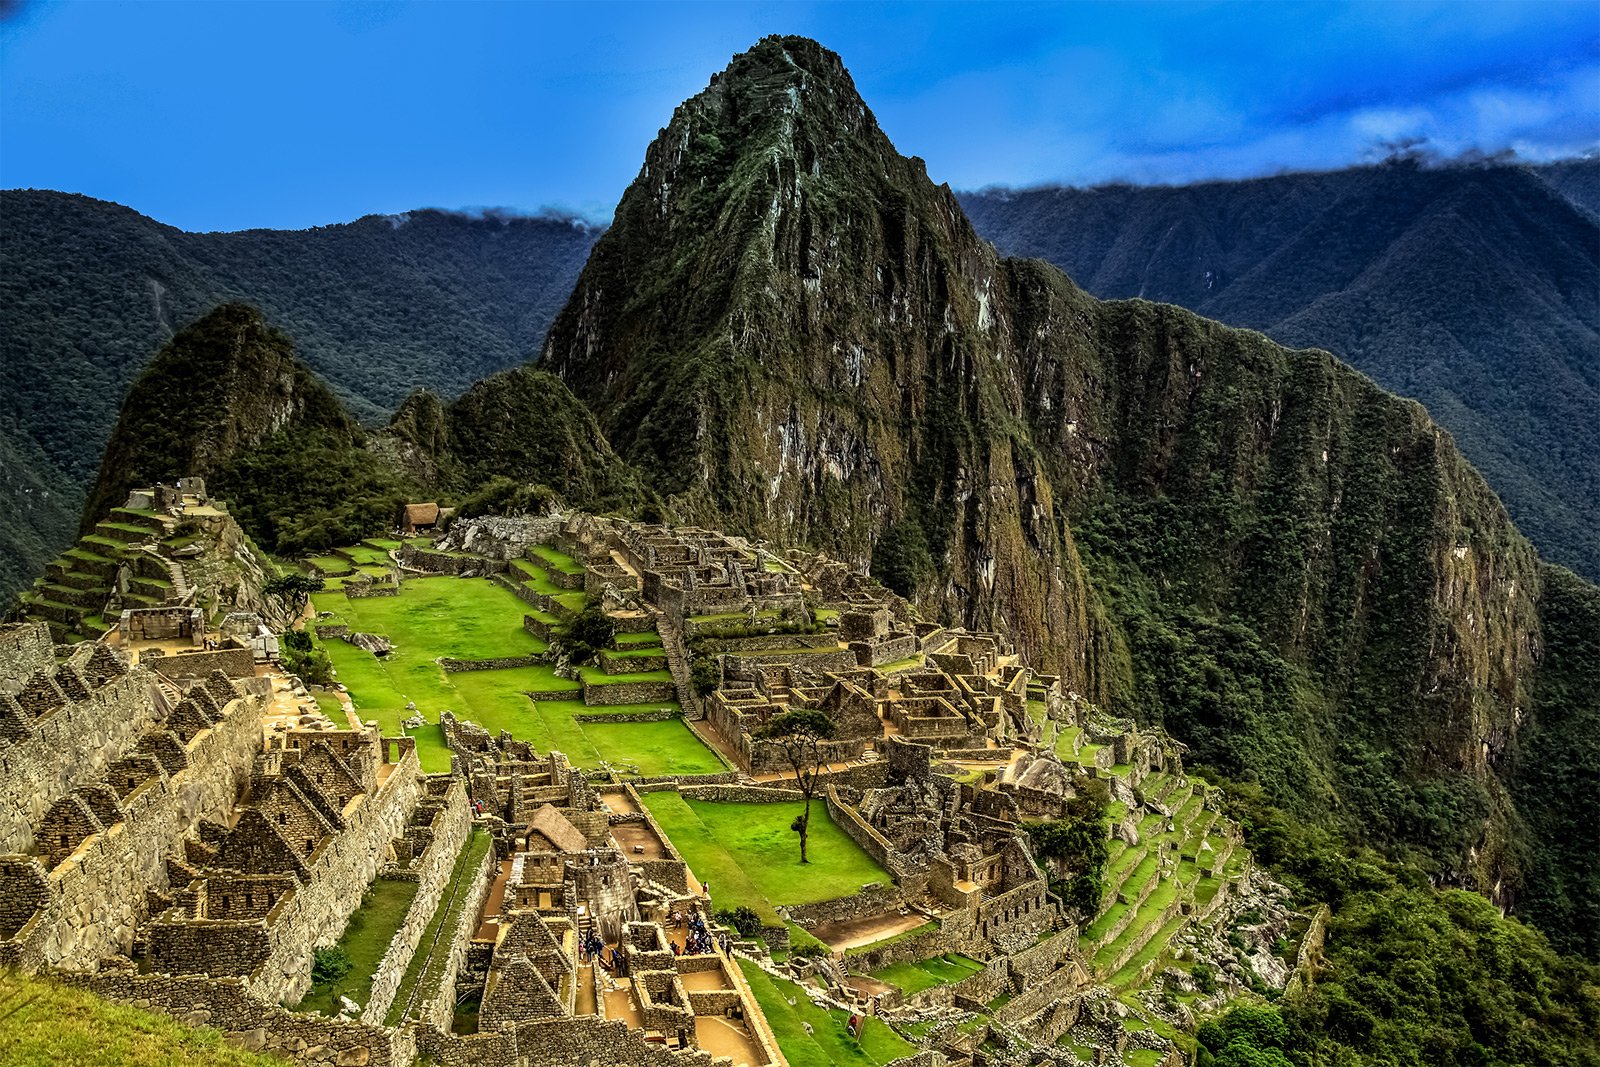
(477, 619)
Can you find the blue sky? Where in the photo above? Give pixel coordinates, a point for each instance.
(230, 115)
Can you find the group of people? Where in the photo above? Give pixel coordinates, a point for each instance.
(697, 938)
(614, 960)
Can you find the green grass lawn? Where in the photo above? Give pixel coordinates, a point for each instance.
(463, 618)
(475, 619)
(751, 857)
(365, 939)
(44, 1024)
(828, 1042)
(913, 978)
(428, 962)
(649, 637)
(559, 560)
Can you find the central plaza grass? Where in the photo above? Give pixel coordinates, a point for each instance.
(788, 1010)
(463, 618)
(751, 857)
(466, 618)
(365, 939)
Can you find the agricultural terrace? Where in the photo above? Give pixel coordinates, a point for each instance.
(751, 858)
(813, 1036)
(477, 619)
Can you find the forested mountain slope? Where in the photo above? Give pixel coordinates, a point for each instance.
(794, 333)
(89, 290)
(1471, 289)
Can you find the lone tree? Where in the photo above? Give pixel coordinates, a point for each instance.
(799, 735)
(294, 589)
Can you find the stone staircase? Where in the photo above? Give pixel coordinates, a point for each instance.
(678, 663)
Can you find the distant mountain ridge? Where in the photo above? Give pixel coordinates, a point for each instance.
(89, 290)
(1471, 288)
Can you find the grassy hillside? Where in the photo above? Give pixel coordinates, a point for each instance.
(43, 1024)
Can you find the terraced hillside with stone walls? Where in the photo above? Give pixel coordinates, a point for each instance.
(481, 638)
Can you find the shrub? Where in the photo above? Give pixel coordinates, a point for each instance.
(329, 965)
(743, 919)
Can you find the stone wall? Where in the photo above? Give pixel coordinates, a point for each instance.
(72, 744)
(97, 895)
(430, 562)
(340, 871)
(234, 662)
(438, 1009)
(875, 844)
(255, 1024)
(629, 693)
(25, 650)
(560, 1042)
(452, 666)
(450, 829)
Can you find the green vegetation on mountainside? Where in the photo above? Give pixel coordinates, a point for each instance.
(517, 427)
(1471, 289)
(1557, 769)
(89, 290)
(1411, 975)
(227, 399)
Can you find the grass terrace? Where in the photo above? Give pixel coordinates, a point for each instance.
(751, 857)
(365, 939)
(559, 560)
(913, 978)
(789, 1010)
(537, 579)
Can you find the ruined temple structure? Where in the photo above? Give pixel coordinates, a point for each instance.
(173, 831)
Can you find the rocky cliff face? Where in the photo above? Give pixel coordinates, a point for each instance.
(792, 330)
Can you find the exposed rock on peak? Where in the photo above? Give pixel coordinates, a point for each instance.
(799, 336)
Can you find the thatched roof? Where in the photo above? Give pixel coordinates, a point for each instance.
(422, 514)
(555, 827)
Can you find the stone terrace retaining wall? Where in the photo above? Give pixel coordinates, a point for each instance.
(454, 666)
(741, 794)
(874, 901)
(934, 941)
(361, 591)
(234, 662)
(631, 716)
(451, 828)
(430, 562)
(629, 693)
(255, 1024)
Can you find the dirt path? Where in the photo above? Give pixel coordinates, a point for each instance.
(854, 933)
